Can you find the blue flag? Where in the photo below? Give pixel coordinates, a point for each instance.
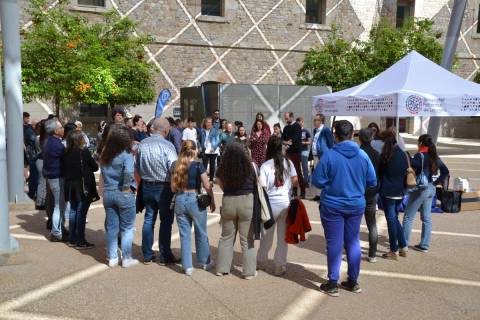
(162, 100)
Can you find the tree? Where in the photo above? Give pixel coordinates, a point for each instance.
(342, 64)
(68, 59)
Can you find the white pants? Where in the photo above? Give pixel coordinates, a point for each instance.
(280, 257)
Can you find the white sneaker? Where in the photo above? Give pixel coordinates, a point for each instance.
(129, 262)
(251, 277)
(372, 259)
(189, 271)
(112, 263)
(209, 265)
(280, 270)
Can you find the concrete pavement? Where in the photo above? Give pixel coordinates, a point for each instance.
(53, 281)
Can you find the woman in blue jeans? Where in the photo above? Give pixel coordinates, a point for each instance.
(117, 168)
(80, 187)
(187, 177)
(391, 175)
(428, 161)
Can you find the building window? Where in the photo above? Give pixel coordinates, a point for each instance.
(212, 8)
(316, 11)
(404, 11)
(91, 3)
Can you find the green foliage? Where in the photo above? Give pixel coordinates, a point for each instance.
(477, 78)
(68, 59)
(342, 64)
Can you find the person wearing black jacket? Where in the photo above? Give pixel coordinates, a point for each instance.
(366, 136)
(292, 138)
(392, 171)
(80, 187)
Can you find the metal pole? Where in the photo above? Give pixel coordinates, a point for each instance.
(9, 15)
(7, 243)
(451, 41)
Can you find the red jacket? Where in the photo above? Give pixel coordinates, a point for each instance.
(297, 222)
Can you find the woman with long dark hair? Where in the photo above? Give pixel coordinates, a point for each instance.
(42, 183)
(258, 143)
(187, 177)
(241, 138)
(377, 142)
(428, 162)
(260, 117)
(117, 168)
(236, 177)
(277, 176)
(391, 176)
(80, 187)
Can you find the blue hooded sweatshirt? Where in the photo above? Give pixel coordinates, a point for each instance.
(343, 173)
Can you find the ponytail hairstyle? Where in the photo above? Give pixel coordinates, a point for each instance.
(389, 143)
(274, 151)
(425, 140)
(180, 175)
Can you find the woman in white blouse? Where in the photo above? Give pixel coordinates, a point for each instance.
(277, 176)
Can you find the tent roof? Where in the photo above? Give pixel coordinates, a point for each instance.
(413, 73)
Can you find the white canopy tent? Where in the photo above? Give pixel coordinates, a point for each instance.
(414, 86)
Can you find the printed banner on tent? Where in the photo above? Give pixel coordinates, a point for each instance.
(406, 105)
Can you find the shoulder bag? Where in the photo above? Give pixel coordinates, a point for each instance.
(203, 199)
(266, 209)
(410, 177)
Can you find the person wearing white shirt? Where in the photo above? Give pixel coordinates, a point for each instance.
(190, 133)
(277, 176)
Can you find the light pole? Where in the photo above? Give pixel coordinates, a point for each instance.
(451, 41)
(11, 185)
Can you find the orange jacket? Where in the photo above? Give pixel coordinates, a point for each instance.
(297, 222)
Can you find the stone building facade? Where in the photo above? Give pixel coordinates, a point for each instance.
(264, 42)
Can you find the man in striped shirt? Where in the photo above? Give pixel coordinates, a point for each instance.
(155, 159)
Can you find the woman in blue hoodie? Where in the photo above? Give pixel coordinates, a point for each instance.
(343, 173)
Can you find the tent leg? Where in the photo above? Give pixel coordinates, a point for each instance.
(397, 125)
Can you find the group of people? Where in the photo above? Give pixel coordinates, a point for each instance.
(168, 168)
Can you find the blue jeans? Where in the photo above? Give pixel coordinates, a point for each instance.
(58, 215)
(119, 218)
(306, 176)
(395, 231)
(187, 212)
(157, 198)
(420, 200)
(77, 220)
(342, 228)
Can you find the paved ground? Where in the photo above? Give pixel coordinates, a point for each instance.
(52, 281)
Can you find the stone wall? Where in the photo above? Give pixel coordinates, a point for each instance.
(263, 41)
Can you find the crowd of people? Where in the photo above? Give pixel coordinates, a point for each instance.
(167, 169)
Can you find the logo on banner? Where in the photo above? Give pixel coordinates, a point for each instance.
(414, 104)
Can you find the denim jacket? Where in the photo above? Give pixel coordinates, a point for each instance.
(214, 138)
(119, 175)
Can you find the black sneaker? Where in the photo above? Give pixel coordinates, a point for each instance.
(330, 288)
(71, 244)
(149, 261)
(420, 248)
(85, 245)
(170, 260)
(52, 238)
(351, 286)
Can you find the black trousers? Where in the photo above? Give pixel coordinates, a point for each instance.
(210, 159)
(370, 212)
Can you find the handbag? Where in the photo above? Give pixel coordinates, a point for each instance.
(86, 188)
(266, 209)
(422, 179)
(203, 199)
(410, 178)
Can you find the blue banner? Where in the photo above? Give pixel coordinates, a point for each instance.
(162, 100)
